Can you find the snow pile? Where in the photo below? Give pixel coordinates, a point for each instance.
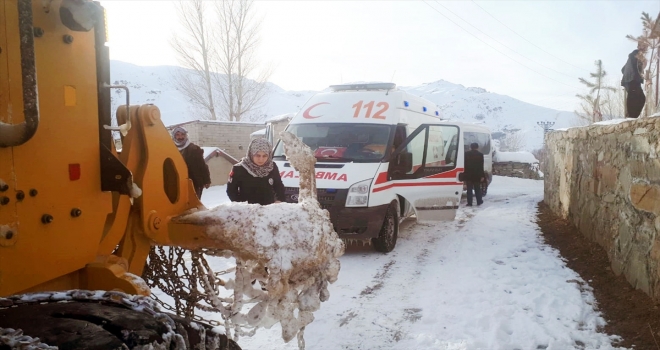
(291, 249)
(519, 157)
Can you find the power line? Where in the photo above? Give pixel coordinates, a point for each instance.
(514, 32)
(494, 48)
(497, 41)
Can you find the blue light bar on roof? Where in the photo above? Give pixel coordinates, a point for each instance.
(406, 104)
(436, 113)
(424, 109)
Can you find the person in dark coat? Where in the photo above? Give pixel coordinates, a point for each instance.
(256, 178)
(198, 170)
(474, 173)
(632, 81)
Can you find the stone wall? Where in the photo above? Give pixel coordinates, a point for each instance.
(605, 179)
(232, 137)
(516, 169)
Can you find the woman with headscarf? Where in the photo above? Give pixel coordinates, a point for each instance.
(256, 179)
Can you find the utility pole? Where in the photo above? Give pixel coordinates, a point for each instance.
(546, 127)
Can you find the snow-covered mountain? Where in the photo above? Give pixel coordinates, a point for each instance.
(501, 113)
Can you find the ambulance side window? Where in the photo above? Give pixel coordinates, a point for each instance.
(442, 149)
(431, 149)
(416, 148)
(483, 139)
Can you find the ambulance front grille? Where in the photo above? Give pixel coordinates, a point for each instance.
(325, 198)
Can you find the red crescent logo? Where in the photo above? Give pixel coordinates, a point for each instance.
(306, 113)
(329, 151)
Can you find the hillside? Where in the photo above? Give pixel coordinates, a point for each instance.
(471, 104)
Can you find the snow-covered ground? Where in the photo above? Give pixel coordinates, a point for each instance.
(484, 281)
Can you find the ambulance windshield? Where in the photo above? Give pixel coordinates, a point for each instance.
(342, 142)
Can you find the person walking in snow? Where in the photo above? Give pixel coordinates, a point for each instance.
(474, 173)
(198, 170)
(632, 81)
(256, 178)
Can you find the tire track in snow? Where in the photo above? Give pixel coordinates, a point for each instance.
(387, 308)
(392, 284)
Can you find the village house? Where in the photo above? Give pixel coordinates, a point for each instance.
(516, 164)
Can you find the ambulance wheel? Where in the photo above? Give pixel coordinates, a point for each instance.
(388, 233)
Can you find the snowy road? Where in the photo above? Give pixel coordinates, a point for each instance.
(483, 281)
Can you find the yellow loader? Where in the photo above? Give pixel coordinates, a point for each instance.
(78, 219)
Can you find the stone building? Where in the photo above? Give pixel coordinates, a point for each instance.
(516, 164)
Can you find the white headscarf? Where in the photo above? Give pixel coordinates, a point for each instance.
(181, 144)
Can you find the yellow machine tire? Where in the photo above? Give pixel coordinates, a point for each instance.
(101, 325)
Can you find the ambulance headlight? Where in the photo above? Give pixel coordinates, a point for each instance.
(358, 194)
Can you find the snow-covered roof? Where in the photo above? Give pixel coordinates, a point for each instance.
(281, 117)
(172, 126)
(210, 151)
(259, 132)
(519, 157)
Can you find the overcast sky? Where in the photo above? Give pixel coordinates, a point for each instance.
(530, 50)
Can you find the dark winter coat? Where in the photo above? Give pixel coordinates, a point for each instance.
(198, 171)
(632, 71)
(474, 166)
(243, 187)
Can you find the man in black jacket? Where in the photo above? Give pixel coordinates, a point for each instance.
(474, 173)
(198, 170)
(632, 81)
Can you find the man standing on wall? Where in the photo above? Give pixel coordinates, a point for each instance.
(198, 171)
(474, 173)
(632, 81)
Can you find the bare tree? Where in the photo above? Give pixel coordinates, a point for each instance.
(593, 101)
(541, 154)
(219, 49)
(194, 48)
(513, 141)
(237, 43)
(614, 104)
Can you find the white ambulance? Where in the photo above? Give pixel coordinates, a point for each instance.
(382, 155)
